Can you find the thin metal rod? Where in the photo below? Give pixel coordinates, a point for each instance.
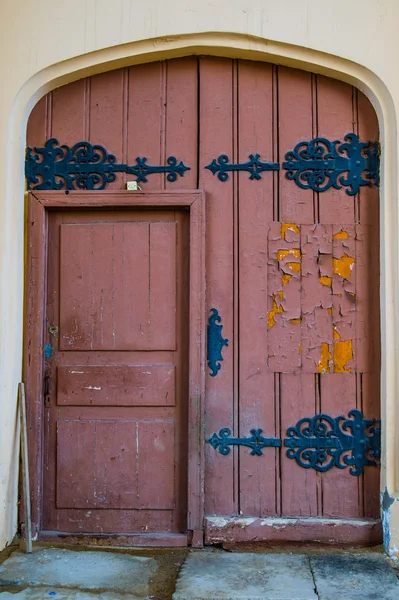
(25, 467)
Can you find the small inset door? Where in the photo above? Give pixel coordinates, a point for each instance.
(116, 371)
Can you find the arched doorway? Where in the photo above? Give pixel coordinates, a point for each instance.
(292, 272)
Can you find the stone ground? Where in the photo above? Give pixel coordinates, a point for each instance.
(254, 573)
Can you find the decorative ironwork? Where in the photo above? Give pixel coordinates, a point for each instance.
(322, 442)
(321, 164)
(86, 166)
(256, 442)
(221, 166)
(215, 342)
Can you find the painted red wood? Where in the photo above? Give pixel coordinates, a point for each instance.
(300, 490)
(256, 98)
(148, 385)
(106, 115)
(216, 114)
(296, 123)
(294, 275)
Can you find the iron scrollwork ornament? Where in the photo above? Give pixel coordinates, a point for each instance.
(256, 442)
(322, 164)
(254, 166)
(323, 442)
(215, 342)
(86, 166)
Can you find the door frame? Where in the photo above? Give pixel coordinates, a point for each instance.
(39, 205)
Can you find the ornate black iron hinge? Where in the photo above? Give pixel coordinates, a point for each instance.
(321, 164)
(86, 166)
(254, 166)
(256, 442)
(215, 342)
(322, 442)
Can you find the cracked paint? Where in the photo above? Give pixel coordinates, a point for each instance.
(277, 308)
(288, 227)
(343, 266)
(283, 252)
(326, 280)
(325, 357)
(315, 266)
(341, 235)
(285, 278)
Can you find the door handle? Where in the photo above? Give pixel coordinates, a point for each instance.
(47, 397)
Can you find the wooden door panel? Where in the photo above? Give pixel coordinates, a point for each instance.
(75, 464)
(112, 385)
(95, 258)
(93, 314)
(117, 371)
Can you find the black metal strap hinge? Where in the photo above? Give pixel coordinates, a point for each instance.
(85, 166)
(320, 442)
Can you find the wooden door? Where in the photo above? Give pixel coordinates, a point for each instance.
(292, 272)
(116, 372)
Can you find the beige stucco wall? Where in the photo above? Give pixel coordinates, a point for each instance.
(45, 43)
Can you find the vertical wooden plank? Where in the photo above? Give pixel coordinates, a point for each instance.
(284, 298)
(70, 112)
(344, 299)
(162, 300)
(182, 119)
(75, 464)
(341, 489)
(368, 131)
(295, 115)
(156, 464)
(335, 119)
(131, 273)
(316, 298)
(36, 132)
(368, 300)
(256, 391)
(145, 124)
(299, 488)
(216, 89)
(106, 115)
(370, 383)
(115, 464)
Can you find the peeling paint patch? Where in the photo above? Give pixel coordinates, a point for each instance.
(277, 308)
(288, 227)
(343, 266)
(343, 353)
(295, 320)
(325, 357)
(336, 334)
(341, 235)
(329, 310)
(325, 280)
(282, 253)
(296, 267)
(300, 349)
(285, 278)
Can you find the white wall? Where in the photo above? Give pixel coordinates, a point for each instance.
(46, 43)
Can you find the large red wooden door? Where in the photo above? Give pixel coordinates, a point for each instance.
(116, 372)
(292, 272)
